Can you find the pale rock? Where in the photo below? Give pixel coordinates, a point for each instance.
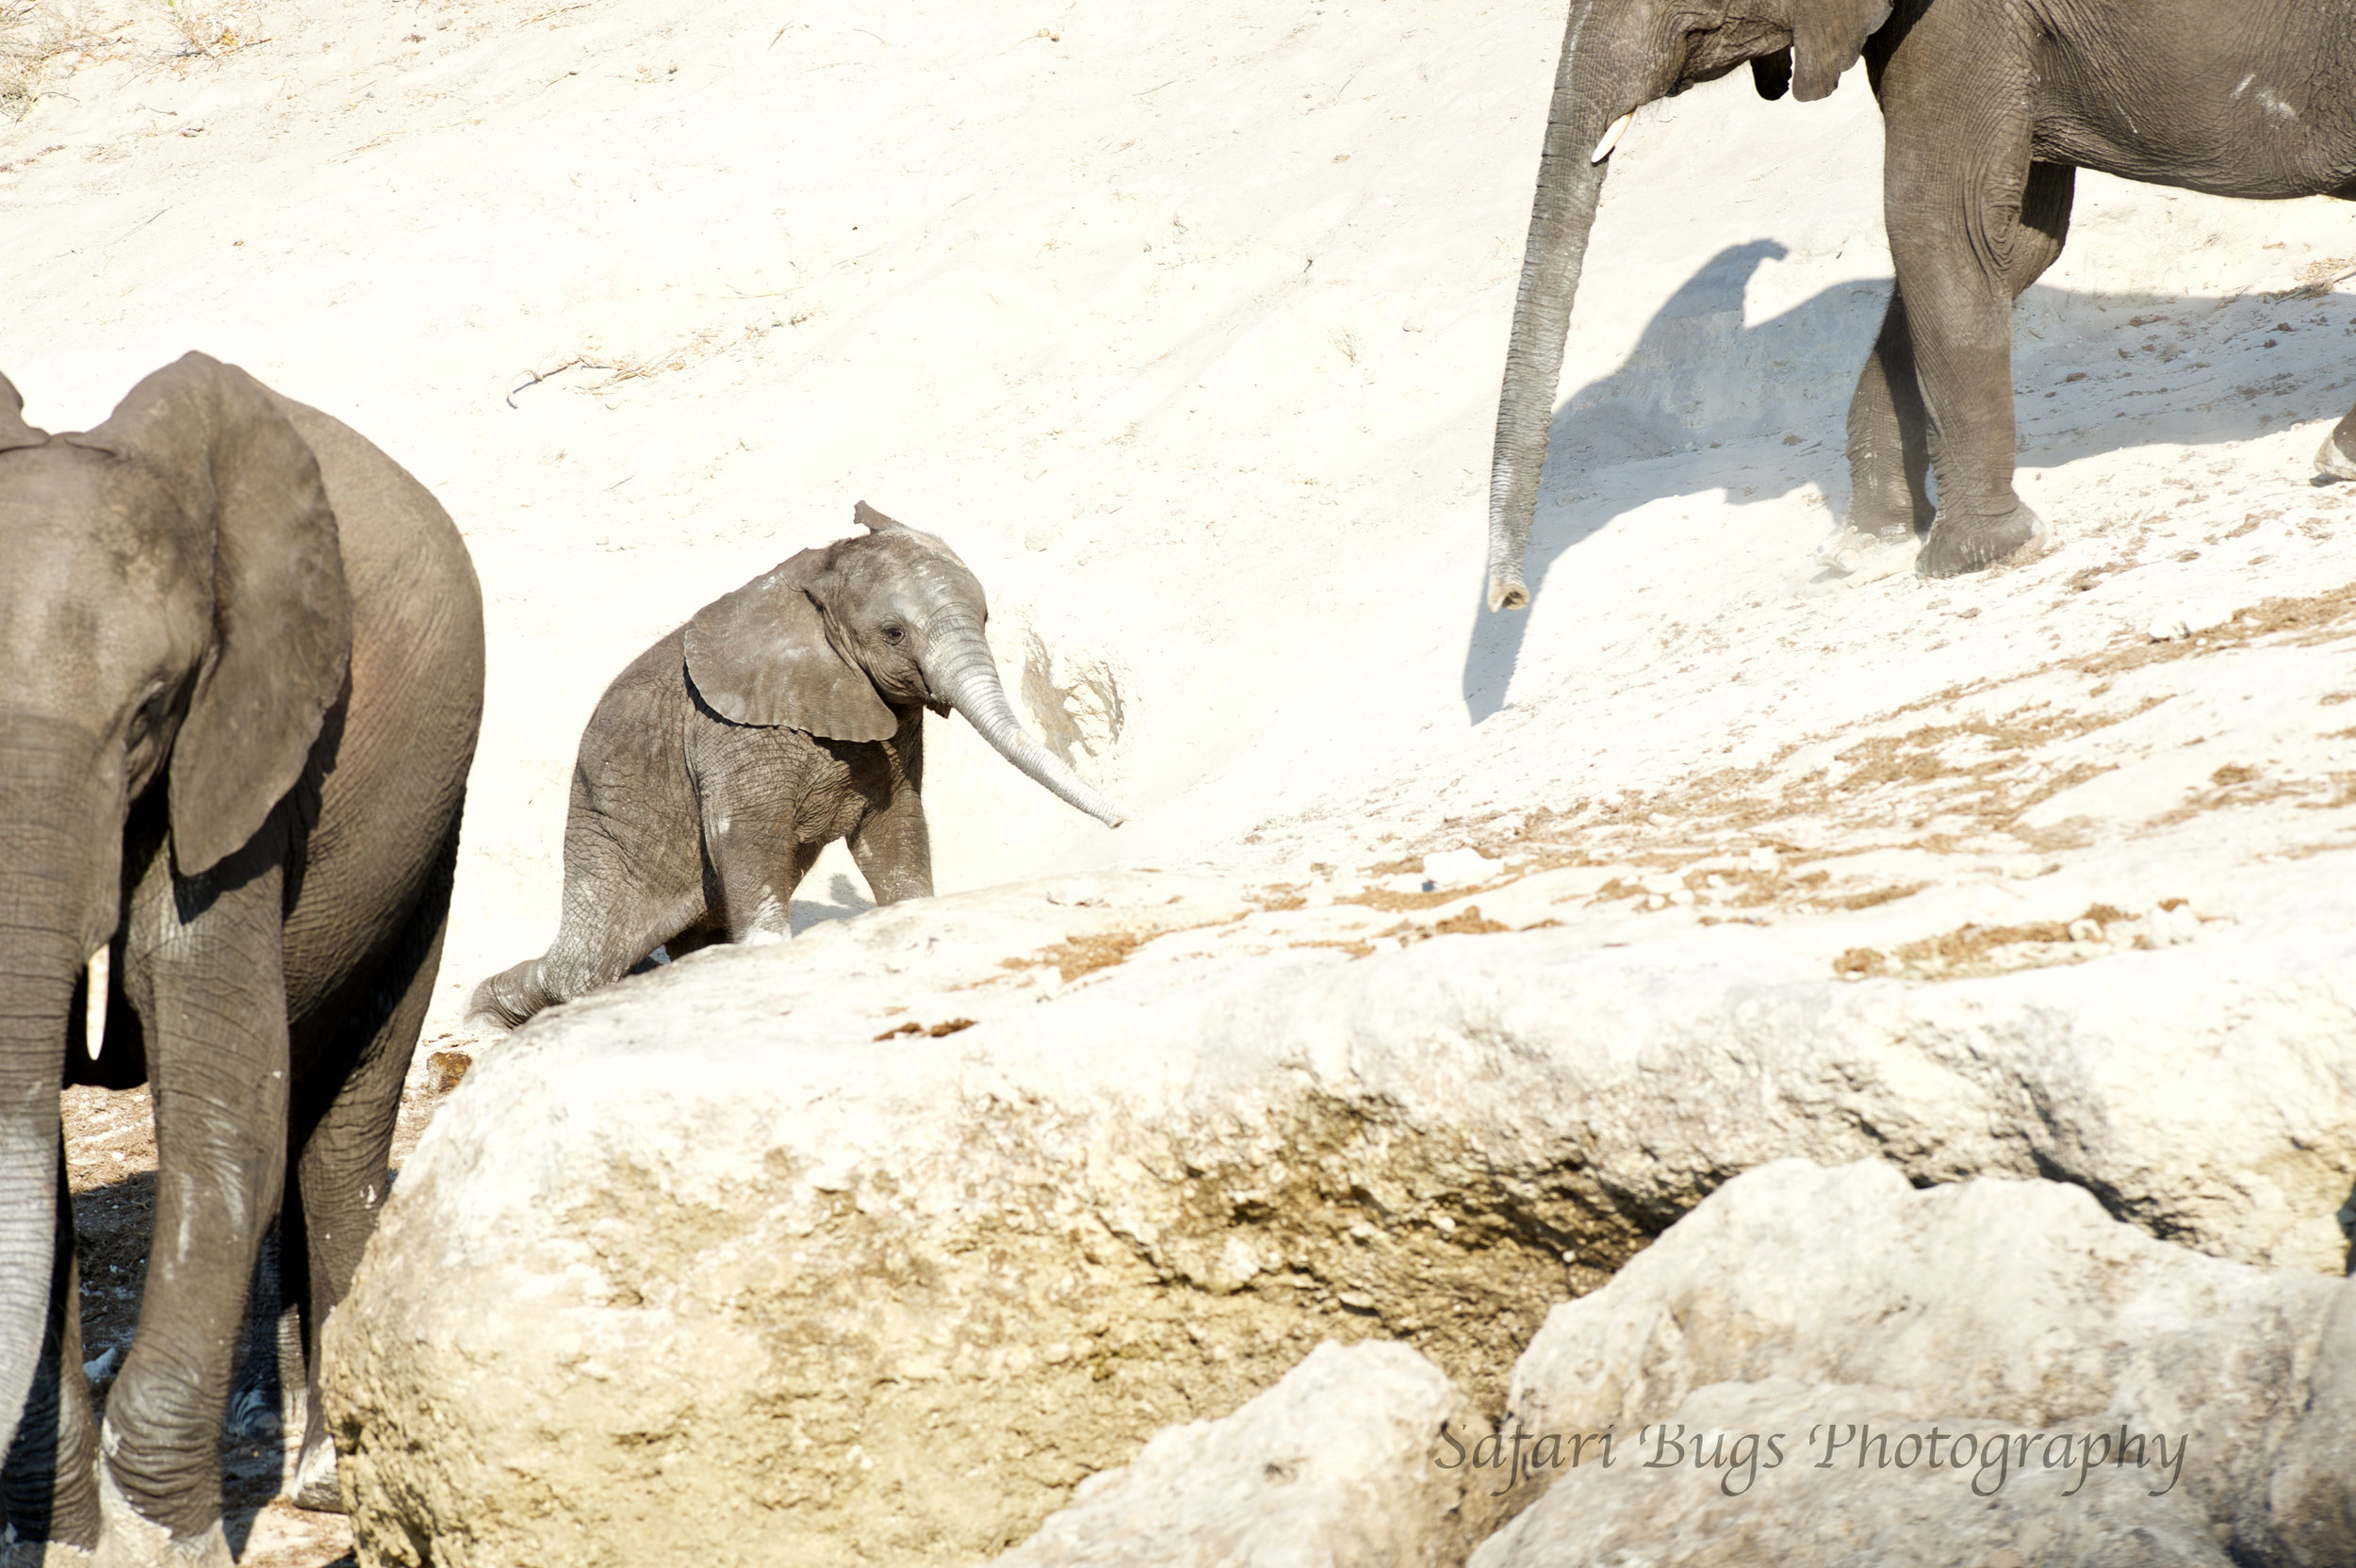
(1982, 1306)
(696, 1265)
(1331, 1468)
(1459, 868)
(2190, 618)
(1763, 1504)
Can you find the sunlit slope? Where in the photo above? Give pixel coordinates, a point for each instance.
(1183, 325)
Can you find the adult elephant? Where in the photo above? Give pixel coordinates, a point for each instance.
(785, 716)
(240, 675)
(1990, 108)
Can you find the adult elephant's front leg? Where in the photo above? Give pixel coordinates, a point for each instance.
(1968, 235)
(206, 977)
(50, 1480)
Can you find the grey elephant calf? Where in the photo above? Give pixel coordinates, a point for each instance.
(785, 716)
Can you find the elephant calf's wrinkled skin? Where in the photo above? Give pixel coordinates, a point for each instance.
(1990, 109)
(240, 675)
(784, 716)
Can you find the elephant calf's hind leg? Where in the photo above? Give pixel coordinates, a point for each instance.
(609, 924)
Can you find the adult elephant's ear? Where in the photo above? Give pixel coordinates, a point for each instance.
(14, 431)
(760, 655)
(247, 485)
(1827, 36)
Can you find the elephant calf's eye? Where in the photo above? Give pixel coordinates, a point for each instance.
(894, 633)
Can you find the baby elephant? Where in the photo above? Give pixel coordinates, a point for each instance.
(785, 716)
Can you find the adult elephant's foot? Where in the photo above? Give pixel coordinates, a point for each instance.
(1962, 542)
(315, 1485)
(2337, 458)
(128, 1539)
(1877, 518)
(41, 1554)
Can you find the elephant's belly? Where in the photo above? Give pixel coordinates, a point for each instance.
(2220, 131)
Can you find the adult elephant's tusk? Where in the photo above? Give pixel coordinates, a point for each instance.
(94, 1006)
(1612, 137)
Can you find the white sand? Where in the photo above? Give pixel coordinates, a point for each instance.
(1183, 327)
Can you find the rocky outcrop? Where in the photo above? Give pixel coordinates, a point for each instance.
(1765, 1500)
(1331, 1468)
(1794, 1373)
(877, 1243)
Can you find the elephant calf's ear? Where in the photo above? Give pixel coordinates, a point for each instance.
(1827, 36)
(282, 616)
(760, 655)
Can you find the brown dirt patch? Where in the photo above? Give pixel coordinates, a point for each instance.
(1874, 898)
(1391, 903)
(1970, 951)
(1078, 956)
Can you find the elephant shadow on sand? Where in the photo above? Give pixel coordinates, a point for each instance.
(1701, 375)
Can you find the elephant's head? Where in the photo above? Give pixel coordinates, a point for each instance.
(830, 641)
(173, 618)
(1617, 56)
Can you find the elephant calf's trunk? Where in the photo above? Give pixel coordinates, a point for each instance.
(962, 673)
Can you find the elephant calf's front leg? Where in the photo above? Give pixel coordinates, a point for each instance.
(892, 845)
(751, 841)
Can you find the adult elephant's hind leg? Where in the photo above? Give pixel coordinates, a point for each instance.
(1889, 454)
(339, 1136)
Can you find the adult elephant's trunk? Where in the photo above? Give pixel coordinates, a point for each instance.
(960, 672)
(55, 907)
(1593, 90)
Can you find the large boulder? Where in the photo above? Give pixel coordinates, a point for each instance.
(2125, 1400)
(724, 1265)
